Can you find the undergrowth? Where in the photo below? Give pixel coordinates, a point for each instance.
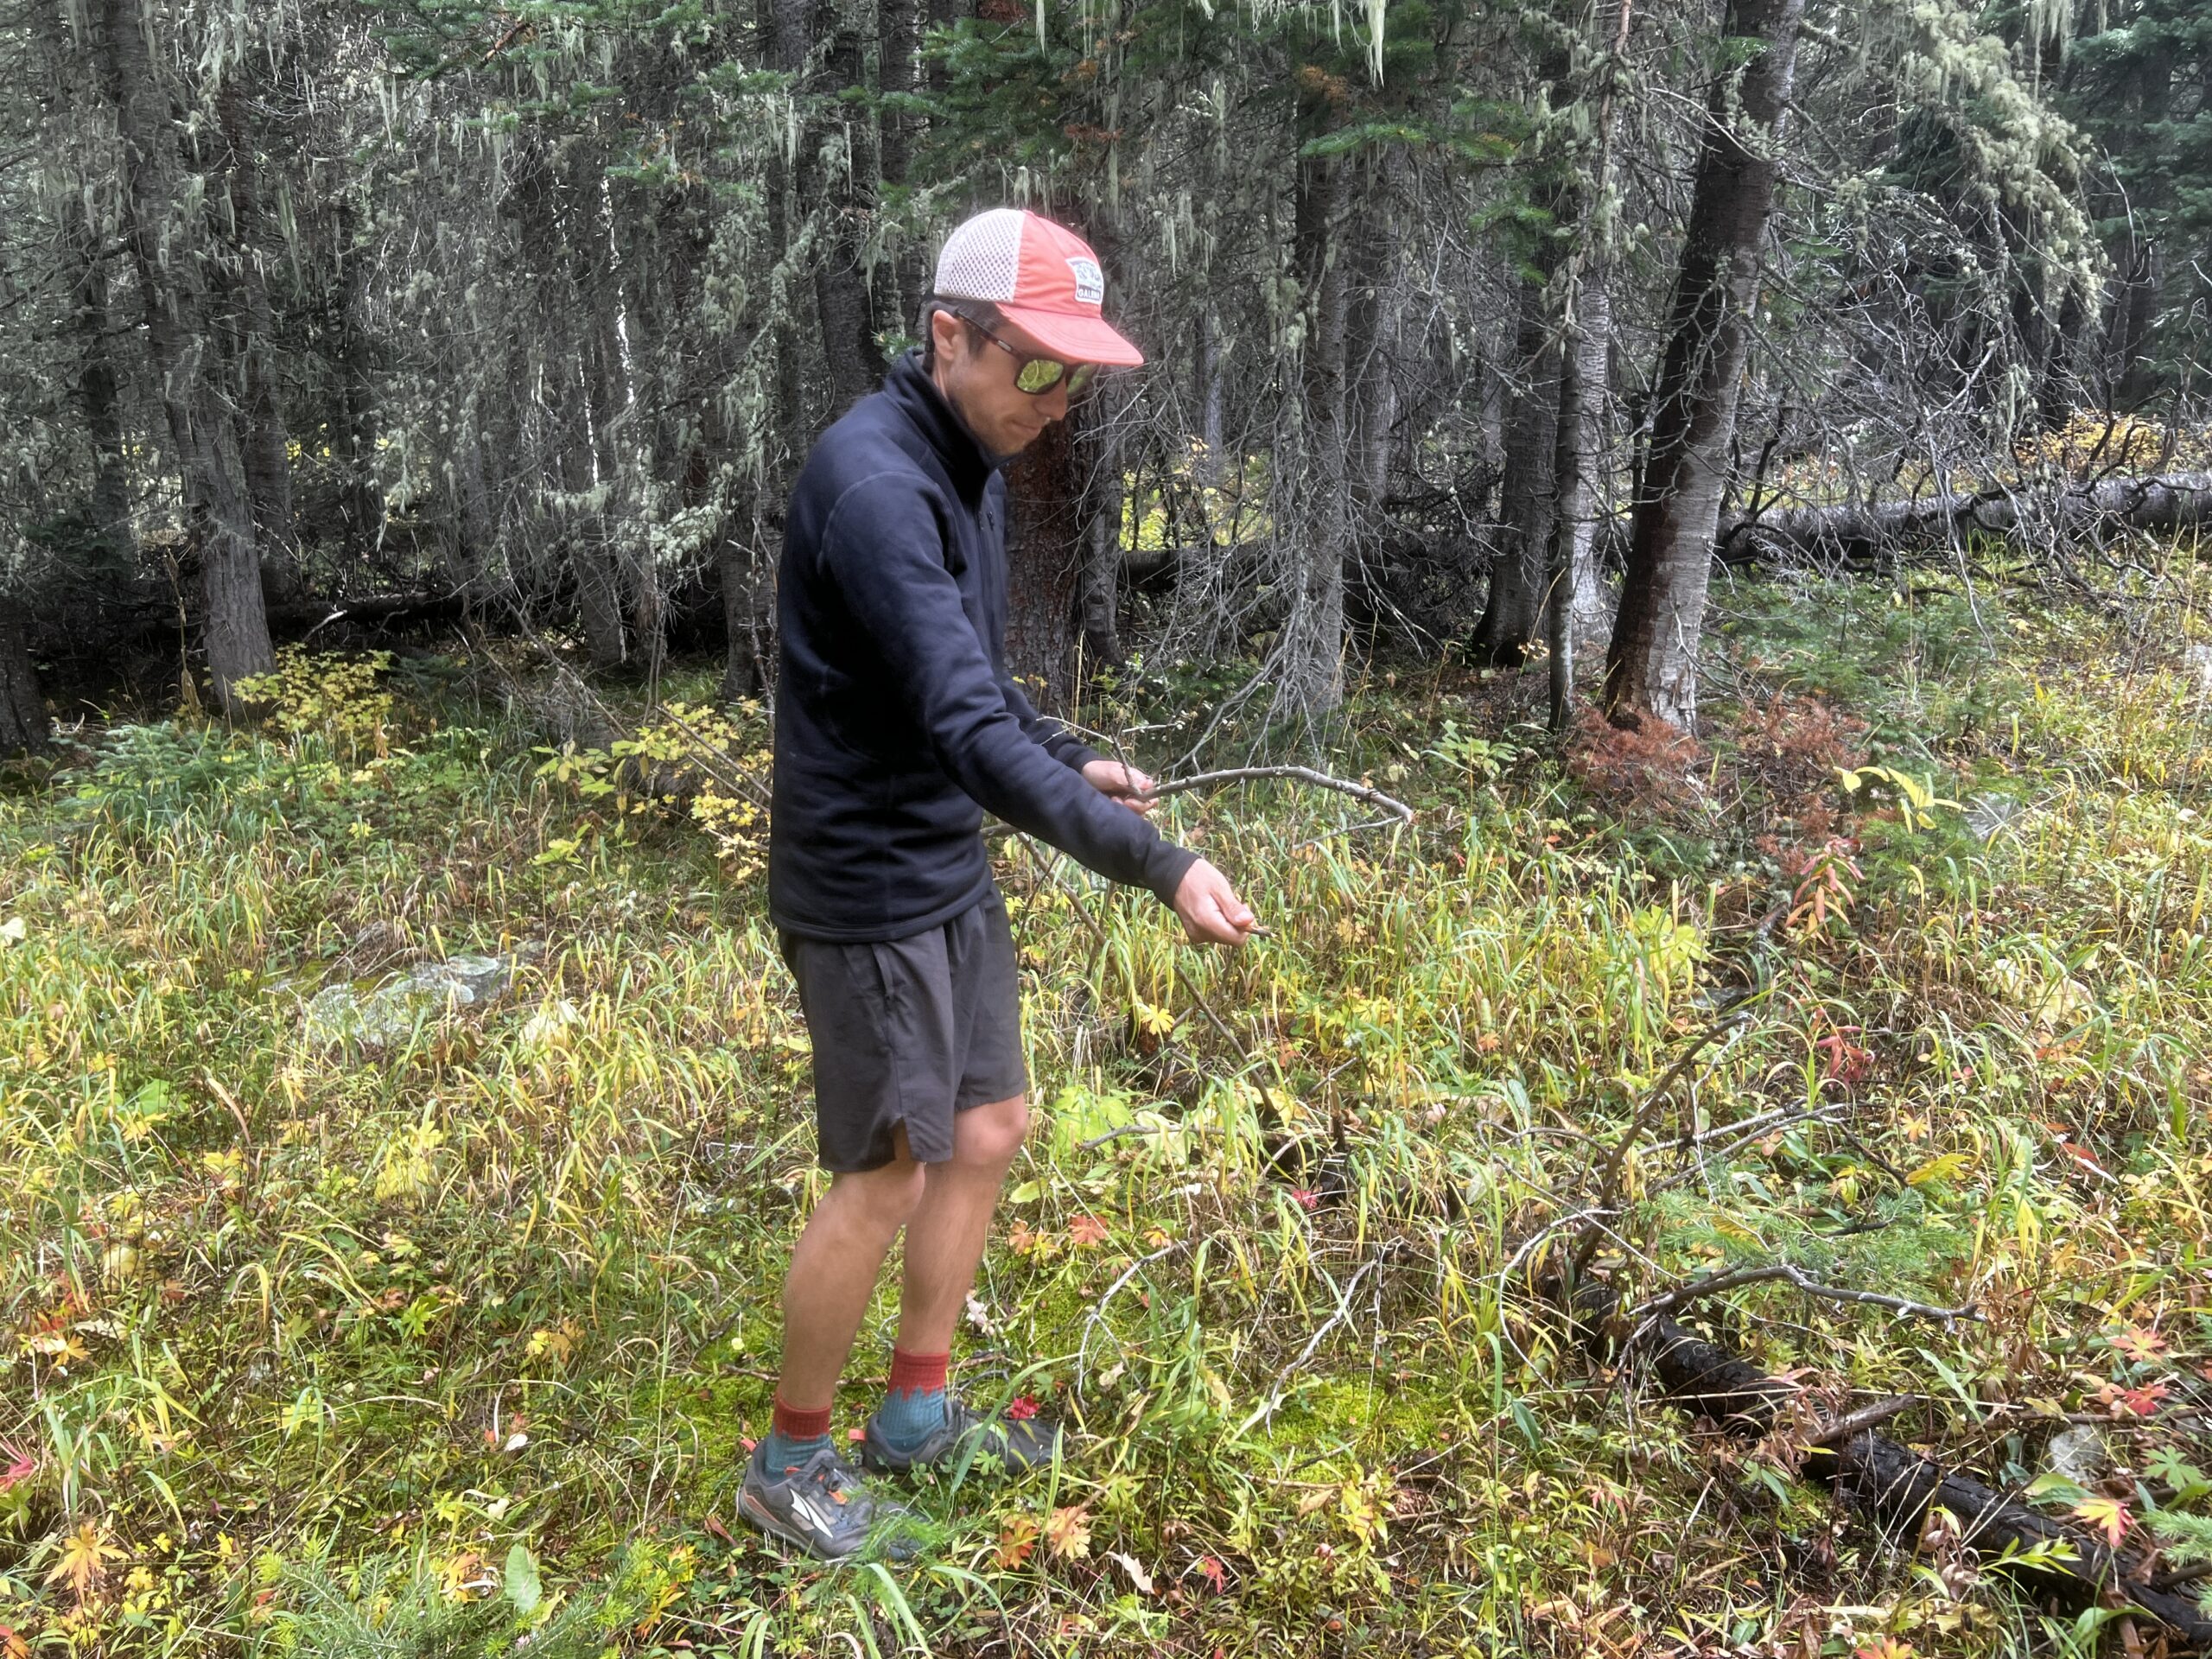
(451, 1343)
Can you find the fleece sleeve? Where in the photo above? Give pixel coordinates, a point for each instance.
(1063, 745)
(884, 554)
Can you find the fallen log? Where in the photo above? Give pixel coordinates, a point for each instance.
(1858, 532)
(1893, 1485)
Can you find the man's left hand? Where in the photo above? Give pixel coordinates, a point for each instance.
(1119, 781)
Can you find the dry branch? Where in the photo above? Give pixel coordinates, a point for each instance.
(1869, 531)
(1713, 1284)
(1366, 792)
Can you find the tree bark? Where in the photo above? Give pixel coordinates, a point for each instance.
(264, 444)
(1592, 606)
(1044, 554)
(24, 728)
(837, 182)
(361, 515)
(1513, 612)
(1098, 595)
(1651, 666)
(179, 338)
(1309, 658)
(98, 393)
(2130, 374)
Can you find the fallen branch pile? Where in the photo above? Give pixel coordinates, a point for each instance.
(1892, 1484)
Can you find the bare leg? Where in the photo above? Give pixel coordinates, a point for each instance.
(947, 1230)
(833, 1273)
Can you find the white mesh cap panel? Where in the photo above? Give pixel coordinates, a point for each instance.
(982, 258)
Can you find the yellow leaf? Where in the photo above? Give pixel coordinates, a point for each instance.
(83, 1563)
(1947, 1166)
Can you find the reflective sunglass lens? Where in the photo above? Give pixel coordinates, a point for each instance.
(1080, 378)
(1038, 374)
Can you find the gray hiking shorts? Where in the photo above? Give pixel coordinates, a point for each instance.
(910, 1031)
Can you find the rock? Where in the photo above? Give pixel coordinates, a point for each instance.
(1988, 815)
(2079, 1454)
(2199, 658)
(376, 1016)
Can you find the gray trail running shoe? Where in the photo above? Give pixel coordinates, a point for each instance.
(821, 1505)
(1016, 1444)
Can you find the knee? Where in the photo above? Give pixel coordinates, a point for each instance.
(993, 1134)
(883, 1198)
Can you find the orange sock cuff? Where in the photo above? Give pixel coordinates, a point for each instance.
(796, 1423)
(918, 1373)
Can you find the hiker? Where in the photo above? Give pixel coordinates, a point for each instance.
(897, 727)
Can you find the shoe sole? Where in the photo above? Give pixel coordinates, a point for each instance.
(759, 1514)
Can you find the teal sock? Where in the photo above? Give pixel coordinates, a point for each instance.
(797, 1435)
(914, 1407)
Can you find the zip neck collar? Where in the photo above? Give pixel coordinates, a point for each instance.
(966, 462)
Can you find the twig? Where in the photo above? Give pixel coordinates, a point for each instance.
(1098, 1312)
(1267, 1408)
(1115, 1134)
(1586, 1246)
(1865, 1418)
(1712, 1284)
(1295, 774)
(1077, 903)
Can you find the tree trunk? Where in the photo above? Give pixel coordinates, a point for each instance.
(2131, 374)
(1513, 612)
(1213, 381)
(58, 65)
(1651, 667)
(178, 341)
(836, 181)
(748, 613)
(1309, 658)
(98, 391)
(1043, 557)
(2059, 391)
(353, 440)
(1592, 605)
(24, 729)
(899, 72)
(263, 443)
(1099, 586)
(1570, 506)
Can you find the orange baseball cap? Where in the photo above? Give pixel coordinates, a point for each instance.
(1043, 277)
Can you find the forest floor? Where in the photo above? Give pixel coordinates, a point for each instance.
(337, 1321)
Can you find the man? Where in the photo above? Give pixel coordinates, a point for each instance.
(897, 727)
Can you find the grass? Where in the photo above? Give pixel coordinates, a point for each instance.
(453, 1345)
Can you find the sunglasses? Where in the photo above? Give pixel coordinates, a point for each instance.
(1038, 375)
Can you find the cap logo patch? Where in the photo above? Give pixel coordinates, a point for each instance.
(1090, 282)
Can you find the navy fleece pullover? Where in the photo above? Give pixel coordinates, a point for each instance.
(897, 724)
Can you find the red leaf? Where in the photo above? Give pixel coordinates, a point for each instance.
(2144, 1401)
(1020, 1408)
(1087, 1229)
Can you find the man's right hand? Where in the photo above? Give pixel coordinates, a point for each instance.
(1211, 912)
